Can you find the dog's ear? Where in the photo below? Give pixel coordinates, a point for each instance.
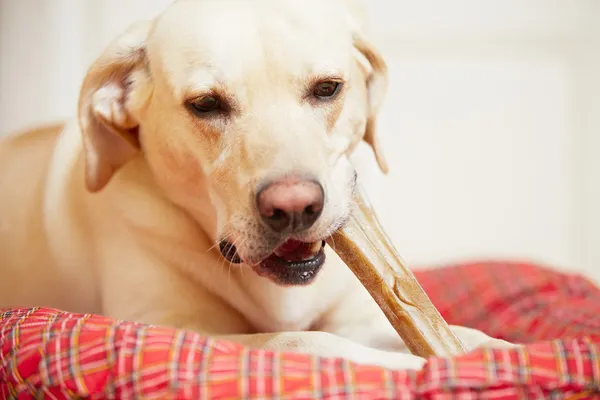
(377, 81)
(110, 131)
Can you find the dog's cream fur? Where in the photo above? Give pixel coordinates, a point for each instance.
(120, 213)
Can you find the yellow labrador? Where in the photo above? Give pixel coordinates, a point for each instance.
(207, 166)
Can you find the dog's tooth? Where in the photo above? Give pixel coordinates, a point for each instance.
(315, 247)
(312, 250)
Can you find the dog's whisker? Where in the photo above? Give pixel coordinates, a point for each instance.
(229, 276)
(214, 246)
(228, 234)
(225, 258)
(238, 243)
(230, 266)
(234, 246)
(222, 262)
(231, 250)
(333, 243)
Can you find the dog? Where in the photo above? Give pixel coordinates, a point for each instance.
(208, 164)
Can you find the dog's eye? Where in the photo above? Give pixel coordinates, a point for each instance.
(205, 104)
(326, 89)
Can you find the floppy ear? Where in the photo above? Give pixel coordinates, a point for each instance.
(110, 132)
(377, 80)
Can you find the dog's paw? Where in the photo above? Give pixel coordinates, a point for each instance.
(473, 339)
(325, 344)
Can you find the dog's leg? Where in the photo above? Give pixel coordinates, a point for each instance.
(325, 344)
(135, 287)
(377, 332)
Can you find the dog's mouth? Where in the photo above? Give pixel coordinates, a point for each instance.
(292, 263)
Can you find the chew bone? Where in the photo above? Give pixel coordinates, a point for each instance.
(366, 249)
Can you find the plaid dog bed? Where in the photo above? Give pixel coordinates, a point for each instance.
(52, 354)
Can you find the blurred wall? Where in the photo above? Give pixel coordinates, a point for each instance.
(491, 125)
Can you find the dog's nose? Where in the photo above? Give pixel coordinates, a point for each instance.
(290, 203)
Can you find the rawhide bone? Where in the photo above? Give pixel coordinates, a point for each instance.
(367, 250)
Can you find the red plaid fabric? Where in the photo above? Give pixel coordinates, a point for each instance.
(518, 302)
(52, 354)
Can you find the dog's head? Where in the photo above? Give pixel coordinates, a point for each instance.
(244, 112)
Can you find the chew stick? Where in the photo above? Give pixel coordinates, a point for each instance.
(367, 250)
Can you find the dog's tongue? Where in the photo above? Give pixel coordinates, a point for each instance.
(294, 250)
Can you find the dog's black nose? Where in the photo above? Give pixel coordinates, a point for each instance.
(290, 203)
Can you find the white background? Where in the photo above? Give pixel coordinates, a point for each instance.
(491, 125)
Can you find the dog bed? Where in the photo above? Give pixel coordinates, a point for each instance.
(47, 353)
